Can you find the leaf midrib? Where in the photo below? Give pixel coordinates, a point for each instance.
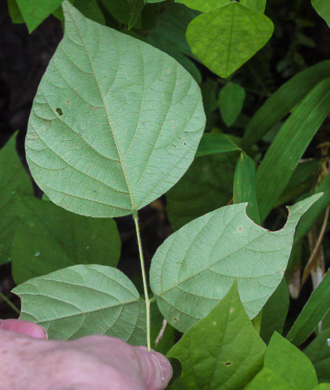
(106, 112)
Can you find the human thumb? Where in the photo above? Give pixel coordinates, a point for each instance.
(156, 370)
(24, 327)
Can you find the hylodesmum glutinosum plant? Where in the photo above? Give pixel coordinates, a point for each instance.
(114, 125)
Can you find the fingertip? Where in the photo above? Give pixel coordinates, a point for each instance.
(24, 327)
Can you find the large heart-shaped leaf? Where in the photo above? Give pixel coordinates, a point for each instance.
(51, 238)
(196, 266)
(115, 122)
(12, 178)
(83, 300)
(225, 38)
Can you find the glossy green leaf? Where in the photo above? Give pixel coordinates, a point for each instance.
(231, 99)
(290, 363)
(283, 101)
(206, 186)
(14, 12)
(322, 7)
(258, 5)
(289, 145)
(222, 351)
(82, 300)
(195, 267)
(35, 12)
(52, 238)
(169, 35)
(274, 312)
(13, 178)
(315, 309)
(202, 5)
(310, 218)
(270, 380)
(318, 351)
(215, 143)
(245, 186)
(115, 122)
(235, 34)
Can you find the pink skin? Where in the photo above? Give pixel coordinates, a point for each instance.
(29, 361)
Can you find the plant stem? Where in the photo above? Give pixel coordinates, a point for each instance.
(144, 277)
(9, 303)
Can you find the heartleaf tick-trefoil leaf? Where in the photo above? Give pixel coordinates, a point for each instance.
(115, 122)
(196, 266)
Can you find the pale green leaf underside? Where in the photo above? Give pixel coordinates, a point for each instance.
(83, 300)
(196, 266)
(115, 122)
(225, 38)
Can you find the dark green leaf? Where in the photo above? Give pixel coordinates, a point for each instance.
(290, 363)
(231, 99)
(310, 218)
(215, 143)
(274, 312)
(169, 35)
(245, 186)
(223, 351)
(52, 238)
(13, 178)
(318, 351)
(283, 101)
(234, 32)
(285, 368)
(302, 180)
(35, 12)
(315, 309)
(289, 145)
(270, 380)
(14, 12)
(206, 186)
(136, 9)
(322, 7)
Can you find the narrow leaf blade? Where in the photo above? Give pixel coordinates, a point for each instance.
(289, 145)
(283, 101)
(315, 309)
